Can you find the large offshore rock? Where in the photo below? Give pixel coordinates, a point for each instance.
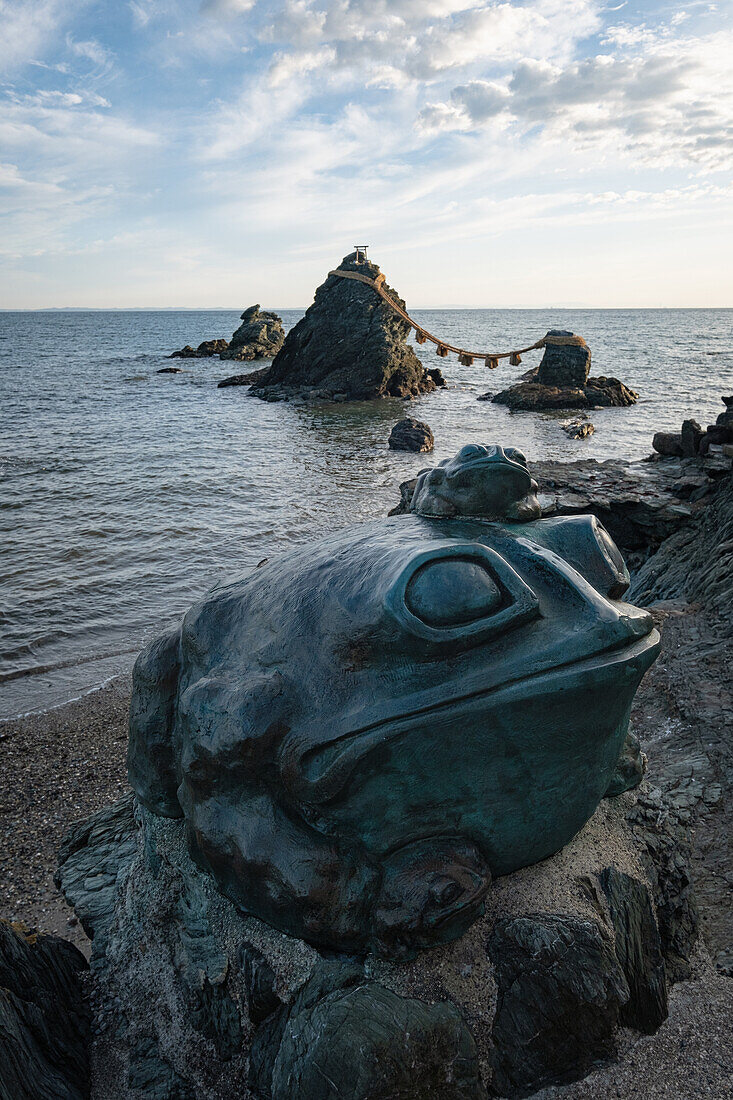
(562, 381)
(260, 336)
(44, 1020)
(349, 342)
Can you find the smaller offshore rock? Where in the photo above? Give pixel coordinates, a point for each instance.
(204, 351)
(260, 336)
(349, 342)
(410, 434)
(44, 1020)
(578, 429)
(169, 370)
(562, 380)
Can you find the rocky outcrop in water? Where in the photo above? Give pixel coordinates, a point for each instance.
(562, 381)
(410, 434)
(578, 429)
(44, 1020)
(260, 336)
(349, 343)
(205, 350)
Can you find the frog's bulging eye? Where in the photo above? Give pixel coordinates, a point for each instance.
(460, 594)
(449, 592)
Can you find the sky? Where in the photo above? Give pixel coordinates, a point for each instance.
(214, 153)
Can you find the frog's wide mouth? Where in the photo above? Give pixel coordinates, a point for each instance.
(316, 772)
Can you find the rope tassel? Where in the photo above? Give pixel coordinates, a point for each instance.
(441, 351)
(515, 359)
(420, 337)
(465, 359)
(492, 362)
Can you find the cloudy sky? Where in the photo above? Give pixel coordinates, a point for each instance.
(216, 152)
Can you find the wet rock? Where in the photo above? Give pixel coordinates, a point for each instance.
(406, 1047)
(243, 379)
(560, 992)
(638, 949)
(690, 438)
(169, 370)
(44, 1020)
(603, 392)
(205, 350)
(533, 397)
(668, 443)
(260, 336)
(349, 342)
(411, 435)
(578, 429)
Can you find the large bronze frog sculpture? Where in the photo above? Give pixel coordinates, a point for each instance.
(361, 733)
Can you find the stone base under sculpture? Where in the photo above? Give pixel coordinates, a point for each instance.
(196, 1000)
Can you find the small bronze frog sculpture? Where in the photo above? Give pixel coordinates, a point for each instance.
(361, 735)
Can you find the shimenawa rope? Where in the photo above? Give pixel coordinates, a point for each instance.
(491, 358)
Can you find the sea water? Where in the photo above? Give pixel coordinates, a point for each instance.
(125, 494)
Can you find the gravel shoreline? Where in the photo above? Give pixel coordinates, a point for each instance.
(55, 767)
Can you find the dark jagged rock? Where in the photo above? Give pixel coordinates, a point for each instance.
(205, 350)
(260, 336)
(411, 435)
(308, 1050)
(578, 429)
(560, 991)
(562, 381)
(152, 1076)
(92, 856)
(690, 438)
(666, 847)
(259, 983)
(44, 1020)
(638, 948)
(243, 379)
(349, 342)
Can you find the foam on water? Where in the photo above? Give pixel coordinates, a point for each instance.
(127, 494)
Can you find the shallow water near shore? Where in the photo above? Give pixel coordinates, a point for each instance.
(127, 494)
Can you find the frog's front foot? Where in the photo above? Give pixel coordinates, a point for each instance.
(431, 892)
